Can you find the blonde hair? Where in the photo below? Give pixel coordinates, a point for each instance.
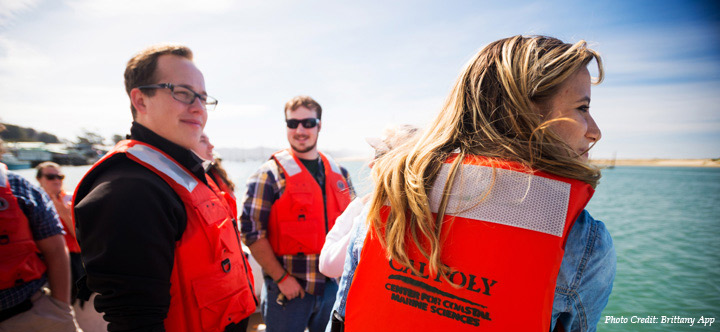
(491, 111)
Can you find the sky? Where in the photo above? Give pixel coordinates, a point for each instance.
(370, 64)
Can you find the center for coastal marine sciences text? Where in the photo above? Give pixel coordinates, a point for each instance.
(691, 321)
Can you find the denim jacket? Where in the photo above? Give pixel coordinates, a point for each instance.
(583, 284)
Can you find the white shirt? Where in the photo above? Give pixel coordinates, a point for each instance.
(333, 253)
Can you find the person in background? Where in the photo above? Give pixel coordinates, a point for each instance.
(332, 256)
(216, 171)
(33, 255)
(159, 245)
(291, 203)
(50, 177)
(334, 252)
(481, 224)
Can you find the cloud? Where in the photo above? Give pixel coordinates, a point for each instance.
(98, 108)
(658, 121)
(127, 8)
(237, 111)
(9, 9)
(370, 64)
(661, 54)
(18, 58)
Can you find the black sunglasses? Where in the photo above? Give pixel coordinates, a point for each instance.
(306, 123)
(54, 176)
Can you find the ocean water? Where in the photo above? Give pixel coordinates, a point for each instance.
(665, 223)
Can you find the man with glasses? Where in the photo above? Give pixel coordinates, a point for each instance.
(292, 202)
(159, 243)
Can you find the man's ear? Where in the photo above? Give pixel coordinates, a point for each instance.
(319, 125)
(138, 99)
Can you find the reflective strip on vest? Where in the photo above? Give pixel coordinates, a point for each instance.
(516, 199)
(288, 163)
(333, 165)
(163, 164)
(3, 175)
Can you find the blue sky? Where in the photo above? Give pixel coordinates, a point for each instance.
(370, 64)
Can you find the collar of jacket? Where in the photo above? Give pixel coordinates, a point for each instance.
(183, 156)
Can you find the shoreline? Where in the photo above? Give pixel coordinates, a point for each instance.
(654, 162)
(658, 162)
(712, 163)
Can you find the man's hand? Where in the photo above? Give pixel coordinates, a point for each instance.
(291, 288)
(264, 255)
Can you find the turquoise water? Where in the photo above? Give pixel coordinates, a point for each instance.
(665, 223)
(666, 226)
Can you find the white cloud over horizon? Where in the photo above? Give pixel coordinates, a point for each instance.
(370, 65)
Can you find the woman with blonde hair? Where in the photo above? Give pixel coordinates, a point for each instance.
(481, 224)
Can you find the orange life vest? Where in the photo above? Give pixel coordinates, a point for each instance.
(211, 281)
(19, 260)
(226, 192)
(504, 247)
(70, 240)
(297, 219)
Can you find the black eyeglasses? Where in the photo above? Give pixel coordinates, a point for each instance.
(184, 94)
(54, 176)
(306, 123)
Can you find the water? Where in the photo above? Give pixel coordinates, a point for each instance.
(665, 223)
(238, 172)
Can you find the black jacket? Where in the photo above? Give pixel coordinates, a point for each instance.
(128, 219)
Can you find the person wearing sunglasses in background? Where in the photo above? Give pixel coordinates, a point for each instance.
(159, 242)
(292, 202)
(50, 179)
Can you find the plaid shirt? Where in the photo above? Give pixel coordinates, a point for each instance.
(44, 222)
(263, 189)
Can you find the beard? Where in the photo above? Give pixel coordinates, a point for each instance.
(307, 149)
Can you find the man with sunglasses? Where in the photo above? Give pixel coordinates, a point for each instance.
(159, 242)
(292, 201)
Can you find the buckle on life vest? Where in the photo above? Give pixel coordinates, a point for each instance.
(226, 265)
(301, 217)
(4, 239)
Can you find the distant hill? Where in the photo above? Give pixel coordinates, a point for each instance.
(238, 154)
(263, 153)
(15, 133)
